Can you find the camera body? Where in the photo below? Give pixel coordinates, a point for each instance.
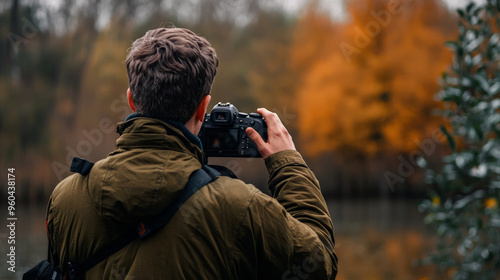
(223, 132)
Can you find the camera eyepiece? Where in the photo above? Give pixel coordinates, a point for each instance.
(223, 113)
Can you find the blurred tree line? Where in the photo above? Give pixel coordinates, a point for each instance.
(357, 95)
(367, 91)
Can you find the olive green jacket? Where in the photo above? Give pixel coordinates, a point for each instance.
(226, 230)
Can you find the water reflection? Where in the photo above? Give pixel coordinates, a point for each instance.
(375, 239)
(379, 239)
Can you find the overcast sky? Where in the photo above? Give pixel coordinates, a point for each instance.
(336, 7)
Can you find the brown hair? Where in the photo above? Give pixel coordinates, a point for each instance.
(169, 71)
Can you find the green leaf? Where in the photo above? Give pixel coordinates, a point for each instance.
(452, 80)
(466, 82)
(495, 222)
(476, 12)
(451, 142)
(494, 40)
(461, 13)
(476, 60)
(492, 120)
(470, 6)
(453, 45)
(479, 171)
(451, 95)
(495, 88)
(479, 132)
(474, 44)
(483, 83)
(495, 103)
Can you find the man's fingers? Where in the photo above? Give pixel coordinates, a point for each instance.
(257, 139)
(255, 136)
(278, 138)
(272, 119)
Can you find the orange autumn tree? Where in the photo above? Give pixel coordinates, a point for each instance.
(367, 84)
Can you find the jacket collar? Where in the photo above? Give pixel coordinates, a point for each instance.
(161, 134)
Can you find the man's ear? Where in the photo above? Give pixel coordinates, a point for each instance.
(202, 109)
(130, 100)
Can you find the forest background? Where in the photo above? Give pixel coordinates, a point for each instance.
(354, 83)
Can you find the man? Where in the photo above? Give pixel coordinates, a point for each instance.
(227, 229)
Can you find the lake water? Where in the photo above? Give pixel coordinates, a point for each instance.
(375, 239)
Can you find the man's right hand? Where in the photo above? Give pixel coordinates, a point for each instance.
(278, 138)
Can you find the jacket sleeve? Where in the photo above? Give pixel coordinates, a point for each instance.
(291, 232)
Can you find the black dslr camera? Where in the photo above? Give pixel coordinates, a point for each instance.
(223, 132)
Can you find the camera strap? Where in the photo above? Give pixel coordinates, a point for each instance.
(197, 180)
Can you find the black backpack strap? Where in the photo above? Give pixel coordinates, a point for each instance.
(81, 166)
(197, 180)
(224, 171)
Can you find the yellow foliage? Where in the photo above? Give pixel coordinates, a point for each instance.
(491, 203)
(436, 201)
(365, 90)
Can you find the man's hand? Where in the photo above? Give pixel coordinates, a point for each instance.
(278, 138)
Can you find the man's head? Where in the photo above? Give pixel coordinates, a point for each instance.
(170, 70)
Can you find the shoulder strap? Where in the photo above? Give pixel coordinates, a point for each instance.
(197, 180)
(224, 171)
(81, 166)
